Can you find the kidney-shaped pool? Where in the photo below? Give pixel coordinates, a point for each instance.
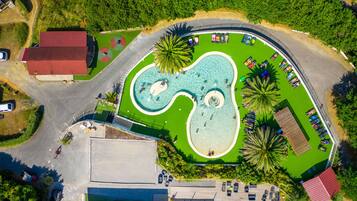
(213, 124)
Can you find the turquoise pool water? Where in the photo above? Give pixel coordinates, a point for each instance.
(210, 129)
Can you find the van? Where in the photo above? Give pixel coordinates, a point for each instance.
(6, 107)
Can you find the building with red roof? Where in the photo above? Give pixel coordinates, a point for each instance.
(322, 187)
(59, 53)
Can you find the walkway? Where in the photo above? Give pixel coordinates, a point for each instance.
(63, 102)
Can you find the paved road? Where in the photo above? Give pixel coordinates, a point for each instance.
(64, 101)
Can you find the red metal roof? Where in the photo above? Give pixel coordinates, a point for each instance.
(322, 187)
(63, 39)
(60, 53)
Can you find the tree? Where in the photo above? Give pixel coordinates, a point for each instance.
(264, 149)
(111, 97)
(13, 190)
(348, 180)
(172, 54)
(260, 95)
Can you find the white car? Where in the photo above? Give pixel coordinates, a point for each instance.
(3, 56)
(6, 107)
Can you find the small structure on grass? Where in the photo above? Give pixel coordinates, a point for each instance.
(292, 131)
(323, 187)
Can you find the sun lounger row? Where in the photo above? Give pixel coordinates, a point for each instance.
(249, 40)
(220, 38)
(249, 122)
(274, 56)
(192, 41)
(316, 123)
(291, 76)
(250, 62)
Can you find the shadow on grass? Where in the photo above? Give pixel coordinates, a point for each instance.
(314, 170)
(284, 104)
(69, 28)
(158, 133)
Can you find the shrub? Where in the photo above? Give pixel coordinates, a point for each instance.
(21, 31)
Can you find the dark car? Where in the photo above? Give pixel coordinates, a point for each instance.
(160, 179)
(246, 188)
(252, 197)
(171, 178)
(224, 186)
(235, 187)
(229, 192)
(229, 183)
(56, 195)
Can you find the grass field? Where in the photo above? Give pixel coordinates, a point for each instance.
(103, 109)
(13, 37)
(104, 41)
(19, 125)
(175, 125)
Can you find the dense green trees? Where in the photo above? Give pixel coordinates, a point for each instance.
(345, 99)
(348, 180)
(327, 20)
(264, 149)
(260, 95)
(172, 54)
(13, 190)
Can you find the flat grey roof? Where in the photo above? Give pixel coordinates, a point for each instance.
(123, 161)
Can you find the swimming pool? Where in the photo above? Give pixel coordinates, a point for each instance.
(213, 124)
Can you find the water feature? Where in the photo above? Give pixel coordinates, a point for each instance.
(214, 122)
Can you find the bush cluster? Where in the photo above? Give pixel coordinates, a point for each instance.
(179, 168)
(326, 20)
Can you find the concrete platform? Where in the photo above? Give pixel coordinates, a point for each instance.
(123, 161)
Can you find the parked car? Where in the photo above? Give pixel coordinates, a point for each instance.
(4, 56)
(252, 197)
(246, 188)
(223, 186)
(235, 187)
(229, 192)
(160, 179)
(171, 178)
(6, 107)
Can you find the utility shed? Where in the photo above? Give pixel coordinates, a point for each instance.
(292, 131)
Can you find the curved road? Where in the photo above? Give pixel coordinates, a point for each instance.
(63, 102)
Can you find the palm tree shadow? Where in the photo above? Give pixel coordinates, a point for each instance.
(179, 29)
(258, 71)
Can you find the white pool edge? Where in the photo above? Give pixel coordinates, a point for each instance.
(168, 106)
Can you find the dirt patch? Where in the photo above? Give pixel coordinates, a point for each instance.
(307, 40)
(113, 133)
(11, 15)
(331, 109)
(16, 121)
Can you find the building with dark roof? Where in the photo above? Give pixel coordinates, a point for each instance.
(323, 187)
(59, 53)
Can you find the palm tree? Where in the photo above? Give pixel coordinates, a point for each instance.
(264, 149)
(172, 54)
(260, 95)
(111, 97)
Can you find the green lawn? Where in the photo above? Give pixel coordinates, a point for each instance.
(103, 109)
(104, 41)
(175, 125)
